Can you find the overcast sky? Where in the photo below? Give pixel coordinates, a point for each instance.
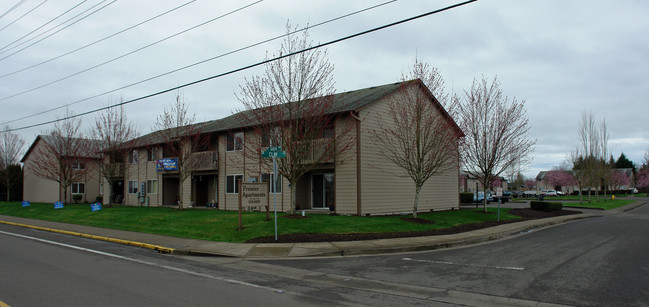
(561, 57)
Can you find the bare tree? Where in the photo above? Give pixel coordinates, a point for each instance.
(176, 130)
(114, 134)
(65, 154)
(417, 134)
(589, 158)
(11, 145)
(496, 129)
(291, 105)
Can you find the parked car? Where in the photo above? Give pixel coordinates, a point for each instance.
(551, 193)
(479, 197)
(530, 193)
(507, 196)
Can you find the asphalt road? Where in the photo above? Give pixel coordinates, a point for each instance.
(593, 262)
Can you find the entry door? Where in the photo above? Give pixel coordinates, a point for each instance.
(322, 192)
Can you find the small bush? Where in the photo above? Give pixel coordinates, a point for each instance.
(545, 206)
(76, 197)
(99, 199)
(466, 197)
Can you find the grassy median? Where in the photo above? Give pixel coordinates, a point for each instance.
(222, 226)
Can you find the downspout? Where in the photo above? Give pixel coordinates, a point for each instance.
(359, 205)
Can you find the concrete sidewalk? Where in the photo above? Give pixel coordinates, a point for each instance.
(177, 245)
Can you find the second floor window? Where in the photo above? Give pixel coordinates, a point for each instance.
(235, 141)
(78, 165)
(133, 156)
(152, 154)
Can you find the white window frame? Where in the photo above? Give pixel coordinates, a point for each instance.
(133, 156)
(78, 165)
(236, 186)
(152, 154)
(77, 185)
(152, 186)
(234, 141)
(269, 179)
(132, 186)
(101, 188)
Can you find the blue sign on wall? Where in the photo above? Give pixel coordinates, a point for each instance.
(169, 164)
(25, 203)
(95, 207)
(58, 205)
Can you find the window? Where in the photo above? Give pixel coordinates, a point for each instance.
(269, 178)
(269, 138)
(328, 132)
(101, 188)
(78, 165)
(78, 188)
(235, 141)
(133, 156)
(152, 154)
(132, 186)
(152, 186)
(232, 183)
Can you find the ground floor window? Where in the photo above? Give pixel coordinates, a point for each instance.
(78, 188)
(269, 178)
(231, 183)
(152, 186)
(132, 186)
(101, 189)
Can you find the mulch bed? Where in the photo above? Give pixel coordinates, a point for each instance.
(526, 214)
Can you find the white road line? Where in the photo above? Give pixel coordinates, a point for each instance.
(466, 264)
(233, 281)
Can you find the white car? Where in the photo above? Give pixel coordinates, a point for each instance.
(551, 193)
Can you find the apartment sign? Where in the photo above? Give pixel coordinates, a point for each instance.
(254, 194)
(168, 164)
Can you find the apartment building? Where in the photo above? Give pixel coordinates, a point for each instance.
(81, 167)
(356, 181)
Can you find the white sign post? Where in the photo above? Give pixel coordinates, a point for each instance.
(274, 152)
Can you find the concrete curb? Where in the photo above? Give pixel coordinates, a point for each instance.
(158, 248)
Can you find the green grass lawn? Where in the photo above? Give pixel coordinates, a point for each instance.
(605, 204)
(222, 225)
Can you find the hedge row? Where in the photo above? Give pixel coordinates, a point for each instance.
(545, 205)
(466, 197)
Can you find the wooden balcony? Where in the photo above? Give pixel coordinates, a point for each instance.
(206, 160)
(322, 151)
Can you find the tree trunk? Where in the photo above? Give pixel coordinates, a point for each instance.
(416, 206)
(293, 199)
(180, 192)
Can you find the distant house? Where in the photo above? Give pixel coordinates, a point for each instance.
(469, 183)
(543, 183)
(83, 167)
(358, 182)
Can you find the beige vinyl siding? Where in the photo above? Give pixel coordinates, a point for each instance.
(37, 189)
(345, 167)
(386, 188)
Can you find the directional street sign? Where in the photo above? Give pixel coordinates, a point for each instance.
(273, 152)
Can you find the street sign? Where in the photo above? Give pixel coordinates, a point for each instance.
(273, 154)
(274, 148)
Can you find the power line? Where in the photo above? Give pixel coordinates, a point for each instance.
(249, 66)
(40, 27)
(12, 8)
(97, 41)
(23, 15)
(128, 53)
(67, 26)
(200, 62)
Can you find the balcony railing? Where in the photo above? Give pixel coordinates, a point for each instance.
(321, 151)
(206, 160)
